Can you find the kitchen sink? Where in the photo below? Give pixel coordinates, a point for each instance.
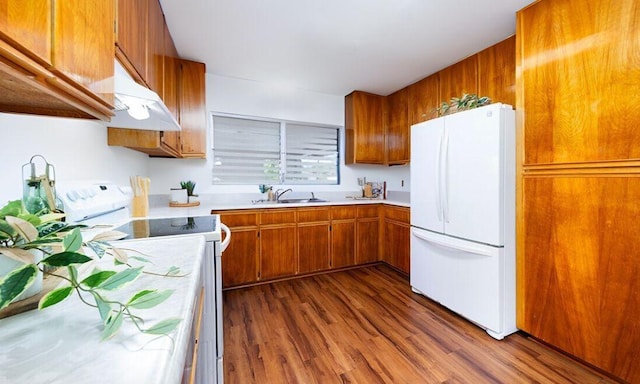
(301, 201)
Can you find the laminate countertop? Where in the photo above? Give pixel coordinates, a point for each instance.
(61, 344)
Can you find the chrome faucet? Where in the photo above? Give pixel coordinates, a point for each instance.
(280, 192)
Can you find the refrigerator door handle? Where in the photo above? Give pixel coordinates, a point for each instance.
(445, 183)
(453, 244)
(439, 180)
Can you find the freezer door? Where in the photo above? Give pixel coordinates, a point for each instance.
(473, 181)
(465, 277)
(427, 142)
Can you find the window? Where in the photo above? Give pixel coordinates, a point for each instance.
(253, 151)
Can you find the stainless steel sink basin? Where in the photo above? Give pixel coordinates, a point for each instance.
(300, 201)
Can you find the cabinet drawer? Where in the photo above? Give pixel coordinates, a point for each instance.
(367, 211)
(343, 212)
(277, 216)
(238, 218)
(306, 215)
(397, 213)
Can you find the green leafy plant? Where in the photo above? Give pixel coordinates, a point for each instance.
(466, 102)
(189, 186)
(22, 233)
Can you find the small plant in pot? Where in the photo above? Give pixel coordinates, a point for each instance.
(189, 186)
(24, 235)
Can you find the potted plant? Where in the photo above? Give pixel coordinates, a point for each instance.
(22, 234)
(189, 186)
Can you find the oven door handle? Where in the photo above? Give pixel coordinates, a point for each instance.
(227, 237)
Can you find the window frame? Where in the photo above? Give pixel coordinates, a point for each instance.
(282, 179)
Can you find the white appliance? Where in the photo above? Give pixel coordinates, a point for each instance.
(463, 214)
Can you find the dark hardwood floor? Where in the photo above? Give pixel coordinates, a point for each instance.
(366, 326)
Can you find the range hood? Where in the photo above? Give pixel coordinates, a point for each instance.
(138, 107)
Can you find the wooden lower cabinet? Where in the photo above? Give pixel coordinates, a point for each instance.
(240, 261)
(314, 239)
(278, 256)
(343, 249)
(396, 237)
(579, 272)
(367, 234)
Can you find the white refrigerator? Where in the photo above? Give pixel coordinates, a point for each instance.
(463, 215)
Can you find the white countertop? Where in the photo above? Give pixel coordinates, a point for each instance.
(61, 344)
(159, 204)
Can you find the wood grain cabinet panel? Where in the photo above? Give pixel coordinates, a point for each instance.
(193, 119)
(396, 234)
(458, 79)
(155, 47)
(579, 66)
(581, 277)
(27, 26)
(240, 261)
(365, 126)
(313, 247)
(397, 135)
(314, 239)
(170, 90)
(278, 251)
(131, 31)
(424, 99)
(343, 245)
(83, 44)
(497, 72)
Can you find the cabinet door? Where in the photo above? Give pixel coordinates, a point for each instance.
(170, 89)
(313, 247)
(368, 234)
(579, 279)
(155, 47)
(365, 115)
(424, 99)
(397, 140)
(240, 260)
(132, 33)
(343, 235)
(278, 252)
(497, 72)
(28, 27)
(193, 118)
(83, 44)
(578, 65)
(459, 78)
(396, 245)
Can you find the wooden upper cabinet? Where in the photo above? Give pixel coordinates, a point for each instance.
(84, 51)
(193, 118)
(578, 63)
(28, 27)
(365, 115)
(131, 35)
(458, 79)
(155, 48)
(497, 72)
(170, 89)
(397, 136)
(53, 58)
(424, 99)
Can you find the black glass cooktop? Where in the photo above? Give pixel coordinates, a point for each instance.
(175, 226)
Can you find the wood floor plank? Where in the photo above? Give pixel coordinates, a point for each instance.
(366, 326)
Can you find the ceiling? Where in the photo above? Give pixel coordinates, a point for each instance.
(336, 46)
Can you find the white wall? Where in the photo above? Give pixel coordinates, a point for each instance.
(251, 98)
(77, 149)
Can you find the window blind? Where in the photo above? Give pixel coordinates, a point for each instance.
(311, 154)
(245, 151)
